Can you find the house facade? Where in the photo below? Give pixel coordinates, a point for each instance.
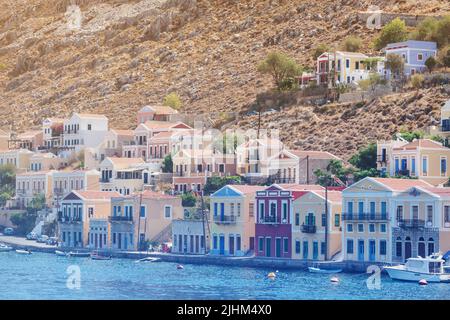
(233, 220)
(52, 129)
(19, 158)
(66, 181)
(188, 236)
(83, 219)
(422, 158)
(30, 184)
(316, 231)
(414, 54)
(124, 175)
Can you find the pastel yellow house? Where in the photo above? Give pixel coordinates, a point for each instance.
(19, 158)
(423, 158)
(310, 239)
(31, 184)
(369, 217)
(143, 217)
(233, 219)
(123, 175)
(83, 219)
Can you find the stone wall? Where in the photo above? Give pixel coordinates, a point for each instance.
(411, 20)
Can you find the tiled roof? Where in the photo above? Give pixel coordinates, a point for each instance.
(158, 109)
(29, 134)
(422, 143)
(300, 187)
(123, 132)
(91, 116)
(333, 196)
(97, 195)
(401, 184)
(148, 194)
(161, 135)
(125, 162)
(314, 154)
(247, 189)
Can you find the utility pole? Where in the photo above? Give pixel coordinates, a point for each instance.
(203, 221)
(307, 169)
(139, 222)
(326, 220)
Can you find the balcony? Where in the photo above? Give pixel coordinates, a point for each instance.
(411, 224)
(21, 191)
(365, 217)
(382, 158)
(403, 172)
(58, 191)
(69, 220)
(269, 220)
(224, 219)
(120, 219)
(308, 228)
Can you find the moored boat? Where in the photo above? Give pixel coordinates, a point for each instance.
(149, 259)
(61, 253)
(19, 251)
(430, 269)
(318, 270)
(78, 254)
(5, 248)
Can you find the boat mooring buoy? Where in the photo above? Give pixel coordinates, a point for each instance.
(423, 282)
(334, 279)
(271, 275)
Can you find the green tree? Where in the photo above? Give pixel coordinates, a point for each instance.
(167, 165)
(173, 100)
(417, 81)
(361, 174)
(444, 57)
(432, 29)
(430, 63)
(188, 200)
(37, 203)
(371, 63)
(215, 183)
(410, 136)
(24, 223)
(334, 169)
(395, 63)
(365, 158)
(282, 68)
(351, 44)
(394, 31)
(321, 48)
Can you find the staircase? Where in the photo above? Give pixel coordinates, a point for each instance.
(164, 235)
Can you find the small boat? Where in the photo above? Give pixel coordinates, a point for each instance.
(318, 270)
(430, 269)
(19, 251)
(61, 253)
(180, 267)
(77, 254)
(99, 257)
(149, 259)
(5, 248)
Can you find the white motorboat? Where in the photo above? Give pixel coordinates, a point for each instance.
(79, 254)
(430, 269)
(149, 259)
(318, 270)
(61, 253)
(19, 251)
(4, 248)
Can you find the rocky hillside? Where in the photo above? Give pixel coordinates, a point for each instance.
(113, 56)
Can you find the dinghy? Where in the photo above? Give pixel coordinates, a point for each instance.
(5, 248)
(23, 251)
(77, 254)
(100, 257)
(149, 259)
(61, 253)
(318, 270)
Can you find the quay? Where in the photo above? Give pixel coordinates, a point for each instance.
(246, 261)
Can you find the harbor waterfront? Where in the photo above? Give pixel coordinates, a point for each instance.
(45, 276)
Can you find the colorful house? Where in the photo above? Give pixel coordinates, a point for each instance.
(142, 217)
(422, 158)
(157, 113)
(414, 54)
(124, 175)
(233, 220)
(34, 183)
(316, 232)
(83, 219)
(188, 236)
(369, 217)
(273, 227)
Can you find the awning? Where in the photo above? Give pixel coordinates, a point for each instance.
(446, 256)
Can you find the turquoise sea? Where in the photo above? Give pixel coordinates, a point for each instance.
(45, 276)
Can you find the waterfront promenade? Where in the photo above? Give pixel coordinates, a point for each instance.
(247, 261)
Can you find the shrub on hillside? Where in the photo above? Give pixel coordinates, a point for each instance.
(417, 81)
(430, 63)
(172, 100)
(351, 44)
(394, 31)
(282, 68)
(321, 48)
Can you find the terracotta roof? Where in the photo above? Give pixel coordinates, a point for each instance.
(314, 154)
(29, 134)
(91, 115)
(125, 162)
(247, 189)
(97, 195)
(187, 180)
(161, 135)
(153, 124)
(123, 132)
(148, 194)
(401, 184)
(333, 196)
(439, 191)
(422, 143)
(158, 109)
(300, 187)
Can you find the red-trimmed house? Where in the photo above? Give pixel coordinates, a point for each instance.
(273, 225)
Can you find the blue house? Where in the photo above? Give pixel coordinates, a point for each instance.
(414, 53)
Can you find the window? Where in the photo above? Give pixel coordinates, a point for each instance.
(413, 166)
(167, 212)
(383, 247)
(323, 248)
(372, 227)
(350, 227)
(443, 167)
(239, 209)
(142, 212)
(89, 127)
(324, 220)
(398, 247)
(261, 210)
(419, 56)
(232, 209)
(415, 212)
(285, 211)
(215, 208)
(297, 219)
(297, 246)
(383, 228)
(430, 214)
(286, 245)
(349, 246)
(425, 166)
(214, 241)
(347, 63)
(261, 244)
(446, 214)
(360, 227)
(399, 213)
(337, 220)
